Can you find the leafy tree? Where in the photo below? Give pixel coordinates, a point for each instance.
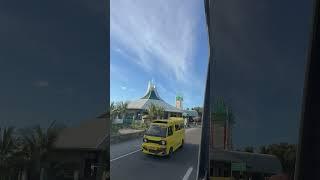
(113, 111)
(7, 150)
(160, 112)
(37, 143)
(155, 111)
(263, 150)
(121, 109)
(199, 110)
(249, 149)
(152, 111)
(286, 153)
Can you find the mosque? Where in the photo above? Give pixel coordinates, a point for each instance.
(139, 107)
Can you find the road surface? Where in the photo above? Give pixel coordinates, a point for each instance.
(129, 163)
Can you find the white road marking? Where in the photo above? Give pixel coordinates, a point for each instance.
(186, 176)
(125, 155)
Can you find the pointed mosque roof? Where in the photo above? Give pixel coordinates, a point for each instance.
(152, 97)
(151, 92)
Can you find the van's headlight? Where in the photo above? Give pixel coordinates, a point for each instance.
(163, 142)
(145, 140)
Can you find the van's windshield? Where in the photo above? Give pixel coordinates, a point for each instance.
(156, 130)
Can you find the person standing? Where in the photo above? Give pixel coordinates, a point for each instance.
(185, 122)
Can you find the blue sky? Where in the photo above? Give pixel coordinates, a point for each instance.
(161, 40)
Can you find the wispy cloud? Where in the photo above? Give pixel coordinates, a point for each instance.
(124, 88)
(41, 83)
(157, 34)
(118, 73)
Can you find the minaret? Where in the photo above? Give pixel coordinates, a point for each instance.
(179, 100)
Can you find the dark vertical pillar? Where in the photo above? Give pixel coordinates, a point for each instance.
(207, 125)
(308, 154)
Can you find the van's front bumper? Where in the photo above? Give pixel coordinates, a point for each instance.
(154, 149)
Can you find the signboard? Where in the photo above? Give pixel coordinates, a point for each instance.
(238, 167)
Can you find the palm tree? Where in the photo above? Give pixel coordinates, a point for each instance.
(152, 111)
(121, 108)
(160, 112)
(7, 150)
(37, 144)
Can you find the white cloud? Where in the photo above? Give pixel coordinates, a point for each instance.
(124, 88)
(160, 36)
(41, 83)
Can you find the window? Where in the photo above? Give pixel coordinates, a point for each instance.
(170, 132)
(155, 130)
(177, 127)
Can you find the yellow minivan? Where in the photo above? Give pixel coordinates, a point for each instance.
(164, 137)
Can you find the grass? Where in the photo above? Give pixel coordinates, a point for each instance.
(134, 125)
(139, 126)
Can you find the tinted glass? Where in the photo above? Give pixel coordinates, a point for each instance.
(155, 130)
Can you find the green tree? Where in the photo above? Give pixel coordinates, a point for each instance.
(152, 111)
(155, 111)
(37, 143)
(160, 112)
(113, 111)
(263, 150)
(199, 110)
(121, 109)
(286, 153)
(249, 149)
(7, 151)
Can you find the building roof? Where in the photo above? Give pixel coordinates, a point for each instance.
(192, 113)
(152, 97)
(255, 162)
(105, 115)
(90, 134)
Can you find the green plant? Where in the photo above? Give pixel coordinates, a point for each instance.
(155, 111)
(7, 151)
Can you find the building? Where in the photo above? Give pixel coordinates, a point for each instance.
(137, 108)
(82, 152)
(228, 164)
(191, 115)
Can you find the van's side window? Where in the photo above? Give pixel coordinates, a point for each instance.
(170, 132)
(177, 127)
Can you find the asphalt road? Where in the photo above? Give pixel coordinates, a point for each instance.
(129, 163)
